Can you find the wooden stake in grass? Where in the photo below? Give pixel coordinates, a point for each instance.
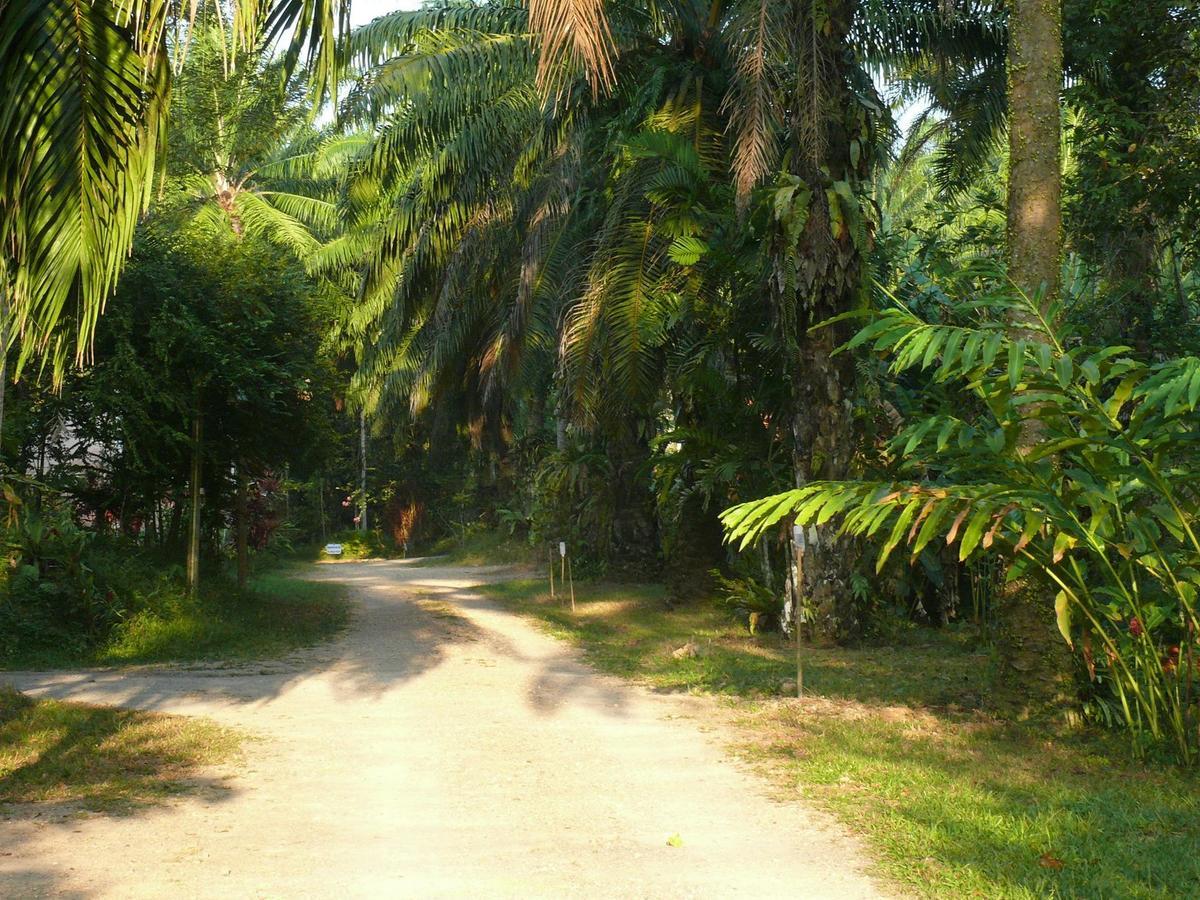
(798, 545)
(566, 574)
(571, 581)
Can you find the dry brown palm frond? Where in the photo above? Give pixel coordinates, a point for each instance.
(749, 106)
(573, 32)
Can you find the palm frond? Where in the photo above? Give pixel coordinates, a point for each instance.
(79, 134)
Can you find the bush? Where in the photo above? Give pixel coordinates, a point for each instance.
(71, 597)
(62, 588)
(749, 601)
(360, 545)
(1102, 507)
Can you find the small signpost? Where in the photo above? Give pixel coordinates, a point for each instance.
(333, 549)
(565, 573)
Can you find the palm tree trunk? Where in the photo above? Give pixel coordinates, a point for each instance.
(1034, 657)
(817, 278)
(634, 548)
(1035, 76)
(3, 361)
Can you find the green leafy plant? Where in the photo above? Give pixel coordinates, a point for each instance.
(749, 601)
(1082, 469)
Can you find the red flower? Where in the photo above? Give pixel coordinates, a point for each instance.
(1135, 626)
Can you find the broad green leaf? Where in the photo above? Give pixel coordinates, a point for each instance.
(1062, 615)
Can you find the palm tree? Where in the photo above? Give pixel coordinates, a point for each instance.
(81, 132)
(242, 157)
(597, 176)
(805, 129)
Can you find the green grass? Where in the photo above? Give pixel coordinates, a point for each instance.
(101, 759)
(953, 801)
(355, 546)
(278, 613)
(480, 548)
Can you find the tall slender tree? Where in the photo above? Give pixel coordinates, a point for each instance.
(1035, 82)
(1025, 616)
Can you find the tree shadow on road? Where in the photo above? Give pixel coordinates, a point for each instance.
(392, 639)
(62, 762)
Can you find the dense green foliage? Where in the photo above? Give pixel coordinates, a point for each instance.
(589, 272)
(82, 137)
(74, 597)
(1102, 508)
(765, 301)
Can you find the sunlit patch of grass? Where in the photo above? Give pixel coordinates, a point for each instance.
(479, 548)
(101, 759)
(893, 740)
(987, 808)
(277, 614)
(626, 629)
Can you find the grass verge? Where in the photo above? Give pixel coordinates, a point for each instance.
(479, 548)
(101, 759)
(892, 741)
(276, 614)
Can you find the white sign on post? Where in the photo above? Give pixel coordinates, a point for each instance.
(562, 549)
(798, 537)
(333, 549)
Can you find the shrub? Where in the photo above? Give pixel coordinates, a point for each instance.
(749, 601)
(1103, 507)
(360, 545)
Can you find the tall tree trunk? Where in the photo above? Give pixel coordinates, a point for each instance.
(171, 539)
(1035, 76)
(193, 551)
(3, 361)
(1032, 652)
(243, 526)
(362, 485)
(816, 277)
(150, 536)
(321, 508)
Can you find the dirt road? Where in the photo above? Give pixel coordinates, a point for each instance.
(442, 747)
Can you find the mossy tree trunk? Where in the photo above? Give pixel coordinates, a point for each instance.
(817, 277)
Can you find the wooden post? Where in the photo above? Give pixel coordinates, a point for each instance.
(571, 576)
(362, 446)
(798, 546)
(243, 526)
(193, 554)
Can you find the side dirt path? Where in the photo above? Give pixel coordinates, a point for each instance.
(440, 748)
